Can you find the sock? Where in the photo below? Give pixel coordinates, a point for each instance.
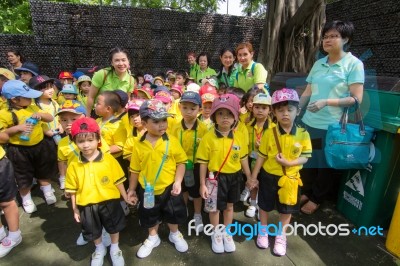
(174, 234)
(2, 230)
(253, 203)
(114, 248)
(26, 197)
(14, 235)
(153, 238)
(197, 215)
(100, 247)
(46, 189)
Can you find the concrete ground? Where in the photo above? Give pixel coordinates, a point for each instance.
(49, 237)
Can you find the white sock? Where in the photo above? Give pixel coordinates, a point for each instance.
(2, 230)
(100, 247)
(253, 203)
(114, 247)
(46, 189)
(26, 197)
(174, 234)
(153, 238)
(197, 215)
(14, 235)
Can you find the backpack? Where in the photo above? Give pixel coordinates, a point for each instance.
(252, 71)
(107, 71)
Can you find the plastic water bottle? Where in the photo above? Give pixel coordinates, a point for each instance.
(26, 135)
(212, 187)
(148, 199)
(56, 136)
(189, 176)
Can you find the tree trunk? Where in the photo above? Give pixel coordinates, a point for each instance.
(291, 35)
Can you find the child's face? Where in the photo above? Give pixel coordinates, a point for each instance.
(156, 127)
(147, 85)
(66, 81)
(136, 121)
(286, 114)
(158, 82)
(203, 63)
(25, 76)
(66, 119)
(48, 91)
(141, 95)
(87, 143)
(224, 119)
(189, 111)
(179, 80)
(85, 87)
(22, 101)
(249, 103)
(140, 80)
(207, 110)
(101, 108)
(260, 111)
(69, 96)
(175, 94)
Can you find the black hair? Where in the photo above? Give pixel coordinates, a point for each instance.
(285, 103)
(221, 53)
(17, 53)
(345, 28)
(182, 73)
(86, 134)
(203, 54)
(112, 99)
(131, 112)
(238, 92)
(114, 51)
(248, 95)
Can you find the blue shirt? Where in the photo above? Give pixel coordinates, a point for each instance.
(332, 82)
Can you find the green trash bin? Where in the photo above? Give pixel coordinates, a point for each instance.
(368, 198)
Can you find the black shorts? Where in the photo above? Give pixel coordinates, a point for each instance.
(108, 214)
(194, 191)
(8, 187)
(32, 161)
(167, 208)
(268, 194)
(228, 189)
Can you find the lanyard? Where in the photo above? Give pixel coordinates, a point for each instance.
(161, 165)
(258, 136)
(73, 149)
(194, 142)
(226, 158)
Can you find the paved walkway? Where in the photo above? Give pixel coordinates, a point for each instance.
(49, 237)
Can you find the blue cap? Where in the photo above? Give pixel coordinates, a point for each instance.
(153, 109)
(191, 97)
(17, 88)
(77, 74)
(161, 88)
(28, 67)
(69, 88)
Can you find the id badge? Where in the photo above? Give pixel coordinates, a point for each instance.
(253, 155)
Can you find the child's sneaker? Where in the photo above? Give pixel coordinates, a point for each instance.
(80, 241)
(280, 245)
(50, 197)
(105, 238)
(262, 240)
(245, 194)
(117, 258)
(98, 258)
(198, 223)
(7, 244)
(3, 235)
(180, 243)
(61, 179)
(229, 244)
(217, 243)
(29, 206)
(147, 247)
(251, 211)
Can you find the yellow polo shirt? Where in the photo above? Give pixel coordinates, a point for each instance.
(189, 138)
(96, 181)
(3, 103)
(110, 133)
(130, 142)
(214, 148)
(52, 109)
(6, 121)
(146, 160)
(256, 132)
(294, 145)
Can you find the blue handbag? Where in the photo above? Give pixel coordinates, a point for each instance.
(347, 145)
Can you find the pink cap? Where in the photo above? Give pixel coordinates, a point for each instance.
(177, 88)
(284, 95)
(163, 96)
(228, 101)
(134, 104)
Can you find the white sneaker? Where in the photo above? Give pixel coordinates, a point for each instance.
(147, 247)
(50, 197)
(198, 223)
(80, 241)
(180, 243)
(3, 235)
(217, 243)
(29, 206)
(98, 258)
(117, 258)
(105, 238)
(229, 244)
(251, 211)
(245, 194)
(7, 244)
(125, 207)
(62, 182)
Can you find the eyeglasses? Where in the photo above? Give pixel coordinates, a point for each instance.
(330, 37)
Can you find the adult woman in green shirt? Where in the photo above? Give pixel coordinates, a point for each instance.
(228, 70)
(115, 77)
(204, 71)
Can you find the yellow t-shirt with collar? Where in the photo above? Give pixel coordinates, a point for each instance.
(146, 160)
(294, 145)
(130, 142)
(255, 131)
(52, 109)
(214, 148)
(3, 103)
(2, 152)
(187, 136)
(6, 121)
(96, 181)
(111, 135)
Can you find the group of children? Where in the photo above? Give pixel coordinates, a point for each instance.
(156, 148)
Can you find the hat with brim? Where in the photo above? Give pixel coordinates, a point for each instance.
(37, 81)
(69, 89)
(7, 74)
(284, 95)
(17, 88)
(148, 92)
(191, 97)
(85, 125)
(153, 109)
(262, 98)
(226, 101)
(71, 106)
(28, 67)
(163, 96)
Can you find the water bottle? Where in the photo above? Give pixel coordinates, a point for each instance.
(26, 135)
(56, 136)
(148, 199)
(189, 176)
(212, 187)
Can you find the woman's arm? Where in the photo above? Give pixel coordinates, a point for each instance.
(305, 97)
(90, 99)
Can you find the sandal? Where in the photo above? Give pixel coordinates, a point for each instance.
(310, 207)
(303, 199)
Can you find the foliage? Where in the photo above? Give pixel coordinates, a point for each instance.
(15, 16)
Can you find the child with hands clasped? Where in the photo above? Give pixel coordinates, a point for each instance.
(223, 151)
(282, 152)
(158, 164)
(95, 182)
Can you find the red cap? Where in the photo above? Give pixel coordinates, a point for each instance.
(85, 125)
(65, 75)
